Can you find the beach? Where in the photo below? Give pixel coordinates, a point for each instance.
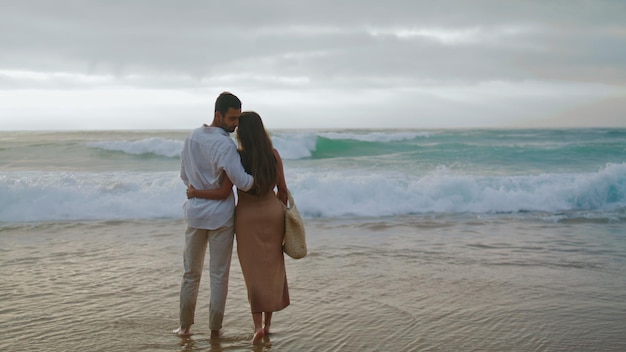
(392, 284)
(469, 240)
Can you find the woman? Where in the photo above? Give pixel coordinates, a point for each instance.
(259, 222)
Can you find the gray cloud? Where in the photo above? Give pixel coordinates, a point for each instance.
(313, 47)
(206, 38)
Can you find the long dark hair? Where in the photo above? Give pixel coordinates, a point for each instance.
(257, 152)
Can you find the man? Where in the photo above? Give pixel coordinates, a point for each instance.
(207, 156)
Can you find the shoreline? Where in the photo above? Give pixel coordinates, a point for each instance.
(365, 285)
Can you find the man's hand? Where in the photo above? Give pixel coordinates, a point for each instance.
(190, 192)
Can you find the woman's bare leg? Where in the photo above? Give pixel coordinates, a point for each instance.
(258, 329)
(268, 322)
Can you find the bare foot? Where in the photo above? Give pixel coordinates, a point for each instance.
(266, 329)
(183, 331)
(258, 337)
(215, 334)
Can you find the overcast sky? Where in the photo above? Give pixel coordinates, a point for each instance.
(154, 64)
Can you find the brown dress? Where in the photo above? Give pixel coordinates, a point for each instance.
(259, 228)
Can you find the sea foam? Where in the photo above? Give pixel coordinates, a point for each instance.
(295, 145)
(157, 146)
(292, 145)
(48, 196)
(51, 196)
(444, 191)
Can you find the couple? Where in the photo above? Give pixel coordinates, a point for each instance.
(210, 164)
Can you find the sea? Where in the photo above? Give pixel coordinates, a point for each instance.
(419, 240)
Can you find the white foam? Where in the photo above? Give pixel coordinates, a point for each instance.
(295, 145)
(292, 145)
(39, 196)
(46, 196)
(332, 194)
(158, 146)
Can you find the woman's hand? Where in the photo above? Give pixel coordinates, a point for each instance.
(190, 192)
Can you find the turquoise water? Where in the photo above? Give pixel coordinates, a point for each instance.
(102, 175)
(483, 151)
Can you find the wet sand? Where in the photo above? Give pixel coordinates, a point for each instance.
(395, 284)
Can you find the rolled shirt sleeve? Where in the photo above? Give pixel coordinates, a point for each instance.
(230, 162)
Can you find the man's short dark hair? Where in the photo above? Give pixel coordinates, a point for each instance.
(225, 101)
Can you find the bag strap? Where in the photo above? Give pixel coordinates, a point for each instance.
(290, 202)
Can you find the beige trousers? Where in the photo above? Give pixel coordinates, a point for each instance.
(220, 242)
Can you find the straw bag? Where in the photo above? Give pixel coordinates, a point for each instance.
(294, 240)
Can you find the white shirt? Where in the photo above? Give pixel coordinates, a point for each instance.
(207, 154)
